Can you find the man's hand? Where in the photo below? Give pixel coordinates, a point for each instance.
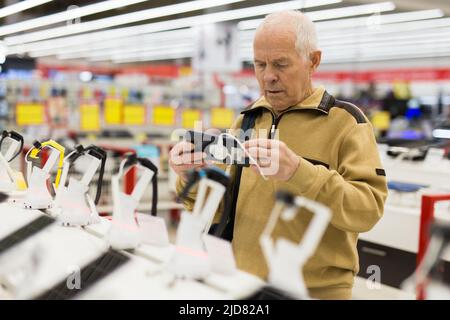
(275, 159)
(181, 159)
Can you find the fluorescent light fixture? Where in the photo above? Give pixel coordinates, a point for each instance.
(387, 55)
(331, 13)
(66, 15)
(351, 11)
(387, 44)
(149, 48)
(390, 28)
(134, 41)
(392, 48)
(47, 48)
(438, 34)
(155, 58)
(441, 133)
(2, 52)
(161, 26)
(119, 20)
(174, 53)
(20, 6)
(372, 21)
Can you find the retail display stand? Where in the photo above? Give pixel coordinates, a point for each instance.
(285, 258)
(190, 259)
(38, 196)
(124, 232)
(10, 180)
(73, 204)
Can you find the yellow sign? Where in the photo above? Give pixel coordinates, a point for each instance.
(163, 116)
(134, 114)
(189, 117)
(90, 117)
(112, 91)
(28, 114)
(43, 91)
(87, 93)
(401, 90)
(381, 120)
(222, 118)
(185, 71)
(113, 111)
(125, 94)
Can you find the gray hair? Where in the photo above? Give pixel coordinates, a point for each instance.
(305, 31)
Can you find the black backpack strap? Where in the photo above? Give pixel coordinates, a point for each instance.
(248, 122)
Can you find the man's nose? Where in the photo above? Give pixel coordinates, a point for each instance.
(270, 76)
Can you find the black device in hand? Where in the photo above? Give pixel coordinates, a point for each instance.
(228, 151)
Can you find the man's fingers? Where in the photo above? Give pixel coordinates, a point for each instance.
(257, 152)
(213, 131)
(181, 147)
(260, 143)
(188, 158)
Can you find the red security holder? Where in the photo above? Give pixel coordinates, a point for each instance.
(426, 220)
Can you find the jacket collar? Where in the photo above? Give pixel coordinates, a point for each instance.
(319, 100)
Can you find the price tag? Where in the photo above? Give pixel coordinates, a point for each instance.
(89, 117)
(220, 255)
(113, 111)
(134, 114)
(30, 114)
(222, 118)
(189, 117)
(163, 116)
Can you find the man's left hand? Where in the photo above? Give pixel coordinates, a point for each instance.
(275, 159)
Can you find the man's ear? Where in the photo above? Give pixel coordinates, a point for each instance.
(315, 58)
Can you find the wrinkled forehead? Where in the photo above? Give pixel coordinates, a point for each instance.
(274, 44)
(275, 37)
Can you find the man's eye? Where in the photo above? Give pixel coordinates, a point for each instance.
(280, 66)
(260, 65)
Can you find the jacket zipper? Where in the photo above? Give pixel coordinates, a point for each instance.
(275, 121)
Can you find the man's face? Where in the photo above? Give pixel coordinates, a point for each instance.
(283, 75)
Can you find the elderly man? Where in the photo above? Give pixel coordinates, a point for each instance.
(324, 150)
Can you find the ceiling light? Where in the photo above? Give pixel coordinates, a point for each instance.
(20, 6)
(118, 20)
(161, 26)
(330, 13)
(67, 15)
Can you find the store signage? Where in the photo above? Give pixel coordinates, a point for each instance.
(381, 120)
(189, 117)
(90, 117)
(222, 118)
(28, 114)
(134, 114)
(113, 111)
(163, 116)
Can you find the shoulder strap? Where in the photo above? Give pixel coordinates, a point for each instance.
(248, 122)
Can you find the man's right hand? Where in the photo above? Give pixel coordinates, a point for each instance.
(181, 159)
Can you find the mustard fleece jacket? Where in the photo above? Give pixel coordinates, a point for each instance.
(339, 167)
